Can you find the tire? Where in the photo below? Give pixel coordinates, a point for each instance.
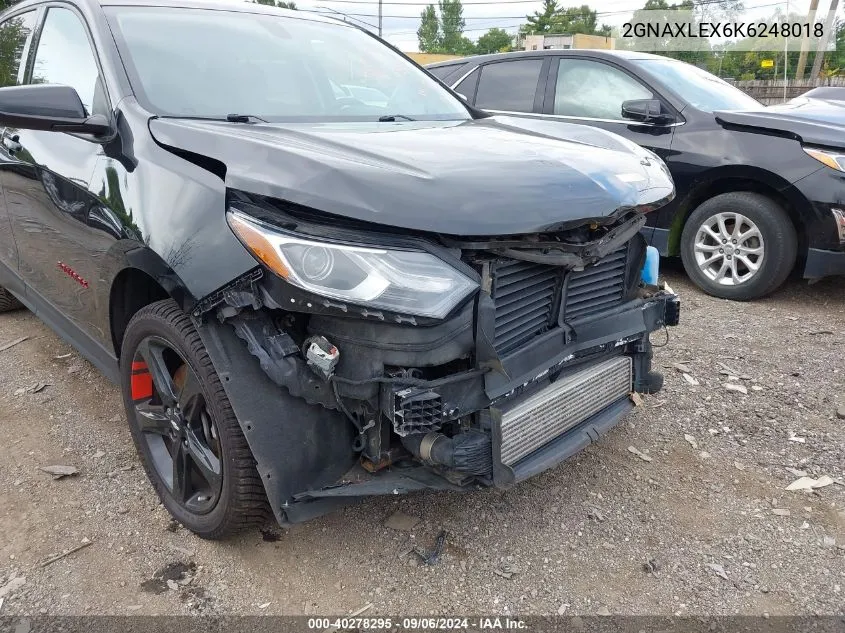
(160, 337)
(8, 301)
(758, 258)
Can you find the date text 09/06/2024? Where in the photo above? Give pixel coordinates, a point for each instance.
(418, 623)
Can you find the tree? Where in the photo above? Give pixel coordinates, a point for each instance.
(575, 20)
(541, 21)
(444, 34)
(494, 41)
(429, 32)
(452, 25)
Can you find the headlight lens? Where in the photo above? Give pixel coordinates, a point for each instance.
(834, 160)
(408, 282)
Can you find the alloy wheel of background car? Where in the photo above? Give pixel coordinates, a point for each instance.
(8, 301)
(729, 248)
(183, 426)
(739, 245)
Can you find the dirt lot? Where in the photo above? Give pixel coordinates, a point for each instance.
(705, 527)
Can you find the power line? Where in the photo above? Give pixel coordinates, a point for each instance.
(516, 26)
(520, 17)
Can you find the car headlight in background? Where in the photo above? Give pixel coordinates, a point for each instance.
(404, 281)
(834, 160)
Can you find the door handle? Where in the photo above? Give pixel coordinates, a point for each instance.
(11, 142)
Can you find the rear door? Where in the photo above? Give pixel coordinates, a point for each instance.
(515, 86)
(15, 38)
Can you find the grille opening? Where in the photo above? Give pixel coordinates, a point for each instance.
(526, 296)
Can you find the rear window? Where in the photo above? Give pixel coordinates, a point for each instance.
(443, 72)
(509, 86)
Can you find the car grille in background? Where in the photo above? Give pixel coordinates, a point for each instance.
(597, 287)
(526, 296)
(563, 405)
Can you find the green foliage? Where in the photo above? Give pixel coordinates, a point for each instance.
(452, 25)
(494, 41)
(429, 32)
(541, 21)
(444, 33)
(556, 19)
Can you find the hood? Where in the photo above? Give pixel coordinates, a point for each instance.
(477, 177)
(811, 121)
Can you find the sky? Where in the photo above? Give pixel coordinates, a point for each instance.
(402, 17)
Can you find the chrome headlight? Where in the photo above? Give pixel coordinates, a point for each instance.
(404, 281)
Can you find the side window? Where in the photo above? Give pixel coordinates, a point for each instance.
(64, 56)
(14, 44)
(467, 85)
(594, 90)
(509, 85)
(441, 72)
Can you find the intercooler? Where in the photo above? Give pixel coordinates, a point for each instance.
(561, 406)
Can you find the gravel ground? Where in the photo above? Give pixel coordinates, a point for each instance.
(705, 527)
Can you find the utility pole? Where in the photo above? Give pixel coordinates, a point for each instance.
(805, 41)
(379, 18)
(822, 47)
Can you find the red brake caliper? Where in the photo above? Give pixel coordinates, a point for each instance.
(142, 381)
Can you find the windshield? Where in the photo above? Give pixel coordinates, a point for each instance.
(698, 87)
(213, 63)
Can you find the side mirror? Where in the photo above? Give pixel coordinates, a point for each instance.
(645, 111)
(48, 107)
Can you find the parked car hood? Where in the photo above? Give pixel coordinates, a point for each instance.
(811, 121)
(478, 177)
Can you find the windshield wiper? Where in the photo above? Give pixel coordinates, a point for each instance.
(389, 118)
(244, 118)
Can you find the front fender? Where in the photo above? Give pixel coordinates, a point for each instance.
(297, 447)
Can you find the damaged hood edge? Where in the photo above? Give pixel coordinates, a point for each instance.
(477, 177)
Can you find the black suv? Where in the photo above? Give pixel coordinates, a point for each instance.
(760, 190)
(317, 274)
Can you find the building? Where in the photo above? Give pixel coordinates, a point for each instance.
(558, 41)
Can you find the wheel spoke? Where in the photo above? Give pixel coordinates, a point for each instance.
(734, 271)
(723, 228)
(204, 459)
(752, 267)
(707, 248)
(722, 270)
(153, 355)
(181, 472)
(713, 258)
(152, 418)
(190, 396)
(750, 233)
(713, 235)
(757, 250)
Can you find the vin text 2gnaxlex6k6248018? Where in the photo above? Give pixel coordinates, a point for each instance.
(316, 273)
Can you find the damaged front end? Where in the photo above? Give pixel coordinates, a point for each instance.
(517, 351)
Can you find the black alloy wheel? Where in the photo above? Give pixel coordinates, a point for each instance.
(181, 438)
(189, 439)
